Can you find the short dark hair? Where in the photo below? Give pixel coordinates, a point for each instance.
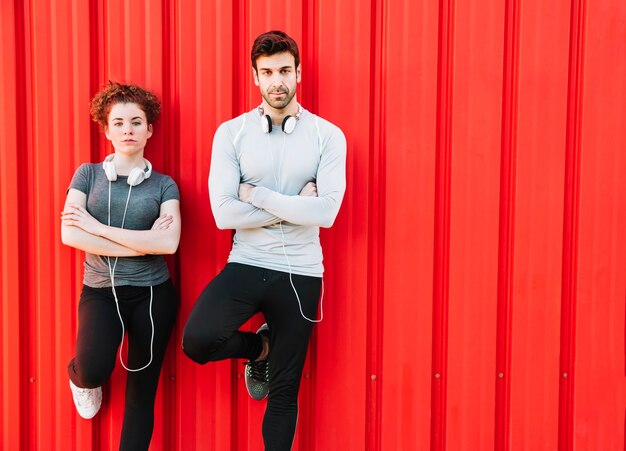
(114, 92)
(271, 43)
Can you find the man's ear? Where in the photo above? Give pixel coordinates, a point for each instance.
(255, 75)
(149, 130)
(299, 73)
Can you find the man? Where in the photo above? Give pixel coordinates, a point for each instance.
(277, 175)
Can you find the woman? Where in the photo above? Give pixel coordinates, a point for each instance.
(125, 216)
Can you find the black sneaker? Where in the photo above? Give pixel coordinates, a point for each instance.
(257, 373)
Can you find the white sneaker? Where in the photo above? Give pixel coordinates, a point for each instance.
(86, 400)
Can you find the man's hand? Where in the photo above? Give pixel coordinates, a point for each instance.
(310, 189)
(245, 192)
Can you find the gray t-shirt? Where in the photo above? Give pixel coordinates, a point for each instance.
(279, 230)
(143, 209)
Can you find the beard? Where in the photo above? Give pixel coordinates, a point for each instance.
(279, 104)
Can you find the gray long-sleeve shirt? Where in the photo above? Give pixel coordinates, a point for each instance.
(278, 165)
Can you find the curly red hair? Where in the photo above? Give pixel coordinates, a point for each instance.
(114, 92)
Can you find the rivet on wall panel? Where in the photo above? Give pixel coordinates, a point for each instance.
(437, 375)
(31, 380)
(373, 377)
(500, 375)
(564, 375)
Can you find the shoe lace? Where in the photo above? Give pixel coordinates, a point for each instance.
(86, 396)
(258, 371)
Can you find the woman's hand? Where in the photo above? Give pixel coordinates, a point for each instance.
(77, 216)
(163, 222)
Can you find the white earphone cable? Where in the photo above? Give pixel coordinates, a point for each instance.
(296, 291)
(117, 305)
(282, 234)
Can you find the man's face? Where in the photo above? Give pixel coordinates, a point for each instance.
(277, 78)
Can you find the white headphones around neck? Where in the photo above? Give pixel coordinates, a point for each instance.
(288, 125)
(136, 176)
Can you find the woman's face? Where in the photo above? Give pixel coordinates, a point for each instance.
(127, 128)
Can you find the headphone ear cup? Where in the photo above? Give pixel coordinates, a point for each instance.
(289, 124)
(138, 175)
(135, 177)
(266, 123)
(109, 168)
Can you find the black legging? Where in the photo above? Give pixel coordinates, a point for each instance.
(236, 294)
(99, 336)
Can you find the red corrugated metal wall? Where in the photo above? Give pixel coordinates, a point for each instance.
(476, 284)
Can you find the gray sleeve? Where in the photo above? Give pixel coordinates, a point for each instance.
(331, 184)
(80, 180)
(169, 190)
(224, 180)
